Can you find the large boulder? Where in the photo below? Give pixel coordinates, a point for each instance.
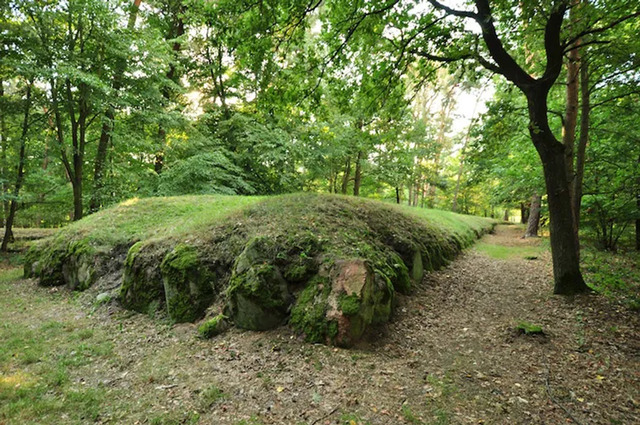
(258, 295)
(188, 284)
(338, 308)
(142, 287)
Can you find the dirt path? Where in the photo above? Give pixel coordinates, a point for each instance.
(450, 356)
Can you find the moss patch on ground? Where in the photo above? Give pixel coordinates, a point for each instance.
(261, 259)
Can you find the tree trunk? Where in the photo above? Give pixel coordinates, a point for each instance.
(523, 213)
(506, 215)
(564, 244)
(357, 179)
(533, 222)
(8, 229)
(638, 211)
(398, 195)
(564, 250)
(3, 155)
(108, 124)
(583, 140)
(346, 176)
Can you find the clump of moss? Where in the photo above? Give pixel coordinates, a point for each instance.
(259, 297)
(308, 315)
(188, 285)
(214, 326)
(349, 304)
(142, 287)
(528, 328)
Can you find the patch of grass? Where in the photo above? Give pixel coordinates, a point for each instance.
(615, 275)
(501, 252)
(409, 416)
(211, 395)
(353, 419)
(41, 359)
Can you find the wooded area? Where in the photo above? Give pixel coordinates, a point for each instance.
(218, 165)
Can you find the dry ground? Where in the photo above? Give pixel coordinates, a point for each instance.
(450, 356)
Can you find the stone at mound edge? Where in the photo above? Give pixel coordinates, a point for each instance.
(358, 298)
(188, 285)
(142, 287)
(259, 297)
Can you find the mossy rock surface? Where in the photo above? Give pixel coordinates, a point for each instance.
(214, 326)
(142, 287)
(259, 296)
(188, 284)
(328, 265)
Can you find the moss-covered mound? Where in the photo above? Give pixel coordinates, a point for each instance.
(329, 266)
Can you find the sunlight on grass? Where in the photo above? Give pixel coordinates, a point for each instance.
(139, 219)
(501, 252)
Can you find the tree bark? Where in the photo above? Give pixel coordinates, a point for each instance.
(357, 179)
(3, 154)
(585, 110)
(506, 215)
(398, 195)
(108, 124)
(533, 222)
(346, 176)
(638, 211)
(524, 216)
(8, 228)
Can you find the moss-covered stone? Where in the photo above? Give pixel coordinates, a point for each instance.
(308, 315)
(79, 265)
(188, 285)
(142, 287)
(357, 299)
(214, 326)
(258, 295)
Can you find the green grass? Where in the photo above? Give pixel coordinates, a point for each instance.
(616, 275)
(465, 225)
(148, 218)
(501, 252)
(41, 359)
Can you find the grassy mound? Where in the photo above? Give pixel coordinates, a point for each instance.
(328, 265)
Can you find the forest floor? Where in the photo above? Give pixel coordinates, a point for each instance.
(451, 355)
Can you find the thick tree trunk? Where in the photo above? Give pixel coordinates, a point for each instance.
(564, 244)
(564, 250)
(357, 179)
(346, 176)
(8, 228)
(585, 110)
(533, 221)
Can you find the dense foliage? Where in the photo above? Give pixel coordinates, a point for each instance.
(102, 101)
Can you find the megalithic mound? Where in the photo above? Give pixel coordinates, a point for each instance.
(329, 266)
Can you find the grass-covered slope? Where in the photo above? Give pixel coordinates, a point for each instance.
(328, 265)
